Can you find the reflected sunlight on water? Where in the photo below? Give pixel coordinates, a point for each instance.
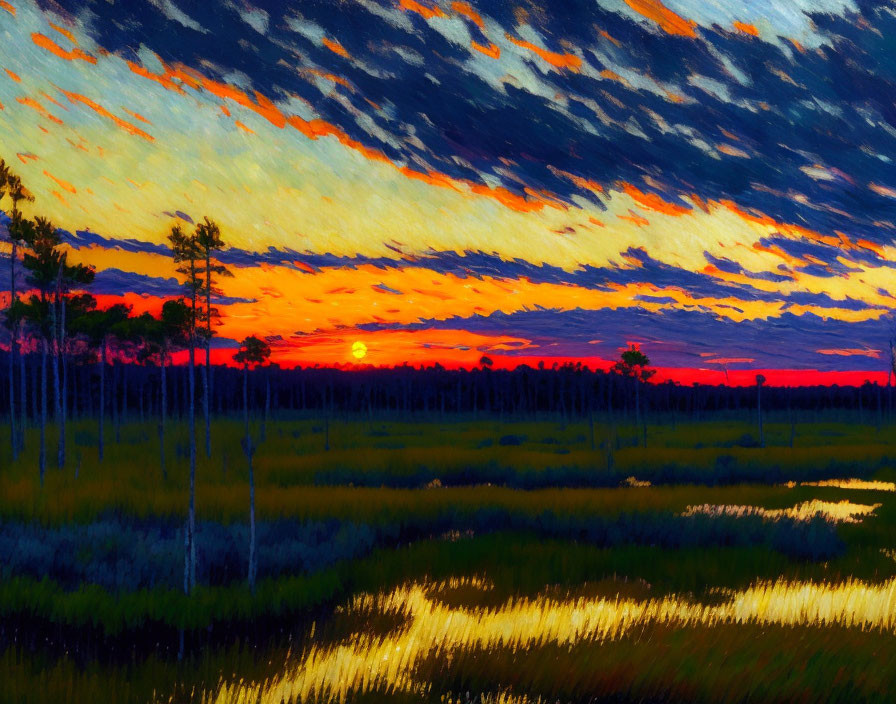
(852, 483)
(365, 662)
(839, 512)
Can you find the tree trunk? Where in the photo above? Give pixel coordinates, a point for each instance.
(591, 426)
(163, 409)
(54, 318)
(43, 410)
(13, 437)
(63, 417)
(249, 452)
(205, 402)
(186, 559)
(759, 413)
(206, 378)
(123, 409)
(23, 397)
(35, 384)
(267, 404)
(637, 403)
(643, 419)
(102, 416)
(192, 384)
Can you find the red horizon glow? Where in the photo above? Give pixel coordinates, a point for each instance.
(684, 376)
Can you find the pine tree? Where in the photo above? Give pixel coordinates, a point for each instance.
(252, 353)
(187, 253)
(208, 238)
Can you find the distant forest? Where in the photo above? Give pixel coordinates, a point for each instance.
(132, 391)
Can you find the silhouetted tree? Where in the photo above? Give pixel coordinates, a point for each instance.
(67, 277)
(173, 332)
(252, 353)
(14, 321)
(633, 363)
(99, 327)
(18, 230)
(208, 238)
(186, 252)
(37, 315)
(760, 380)
(43, 264)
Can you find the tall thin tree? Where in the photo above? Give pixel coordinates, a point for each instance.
(43, 264)
(208, 238)
(68, 276)
(252, 353)
(11, 184)
(100, 327)
(760, 380)
(187, 253)
(634, 364)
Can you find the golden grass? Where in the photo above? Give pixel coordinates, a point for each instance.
(66, 499)
(364, 663)
(852, 483)
(839, 512)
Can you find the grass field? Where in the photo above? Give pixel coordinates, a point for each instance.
(520, 562)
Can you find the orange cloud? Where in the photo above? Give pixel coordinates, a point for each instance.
(63, 184)
(493, 51)
(668, 21)
(507, 198)
(136, 115)
(13, 76)
(653, 202)
(100, 110)
(335, 47)
(241, 126)
(732, 151)
(37, 107)
(746, 28)
(332, 77)
(424, 11)
(567, 61)
(45, 42)
(871, 246)
(163, 80)
(635, 218)
(851, 352)
(466, 9)
(583, 183)
(65, 33)
(9, 8)
(314, 129)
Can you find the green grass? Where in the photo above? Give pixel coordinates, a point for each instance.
(744, 662)
(130, 479)
(518, 564)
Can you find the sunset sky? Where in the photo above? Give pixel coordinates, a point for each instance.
(440, 180)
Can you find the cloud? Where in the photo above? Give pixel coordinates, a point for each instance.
(175, 14)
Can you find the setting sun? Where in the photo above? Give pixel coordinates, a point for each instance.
(359, 350)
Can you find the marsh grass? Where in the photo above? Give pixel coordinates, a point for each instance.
(574, 534)
(292, 465)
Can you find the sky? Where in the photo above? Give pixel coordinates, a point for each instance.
(440, 180)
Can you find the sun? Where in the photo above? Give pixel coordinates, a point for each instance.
(359, 350)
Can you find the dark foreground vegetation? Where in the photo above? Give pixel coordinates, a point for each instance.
(91, 584)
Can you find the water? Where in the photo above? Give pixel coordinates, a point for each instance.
(432, 641)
